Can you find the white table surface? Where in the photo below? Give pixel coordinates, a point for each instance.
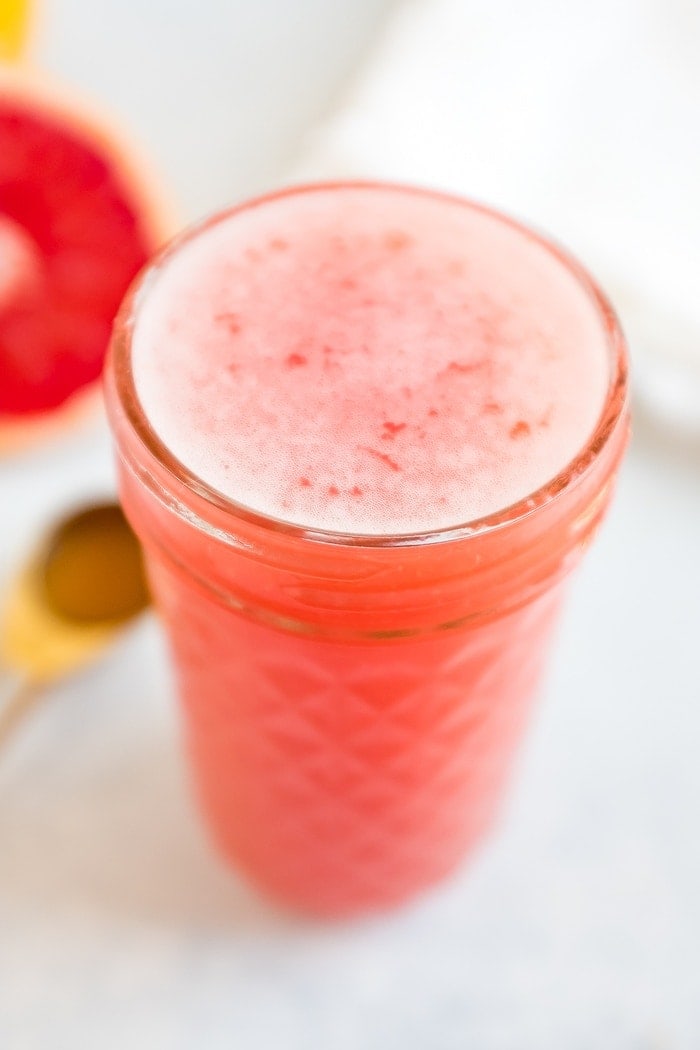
(577, 926)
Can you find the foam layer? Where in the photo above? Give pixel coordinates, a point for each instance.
(370, 360)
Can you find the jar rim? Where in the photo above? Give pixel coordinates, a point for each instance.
(612, 412)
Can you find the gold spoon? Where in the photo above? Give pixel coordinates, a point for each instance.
(84, 583)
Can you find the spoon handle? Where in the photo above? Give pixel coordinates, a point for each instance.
(23, 694)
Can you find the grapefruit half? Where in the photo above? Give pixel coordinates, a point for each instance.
(80, 214)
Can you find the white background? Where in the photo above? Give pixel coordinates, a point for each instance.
(578, 926)
(218, 91)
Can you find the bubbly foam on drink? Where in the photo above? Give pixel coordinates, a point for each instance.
(370, 360)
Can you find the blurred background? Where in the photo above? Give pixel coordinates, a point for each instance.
(578, 925)
(221, 97)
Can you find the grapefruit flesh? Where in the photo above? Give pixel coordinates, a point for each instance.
(73, 233)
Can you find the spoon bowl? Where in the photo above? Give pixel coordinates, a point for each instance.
(83, 584)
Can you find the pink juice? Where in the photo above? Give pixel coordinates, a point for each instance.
(366, 432)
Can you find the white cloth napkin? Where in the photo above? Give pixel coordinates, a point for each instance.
(582, 119)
